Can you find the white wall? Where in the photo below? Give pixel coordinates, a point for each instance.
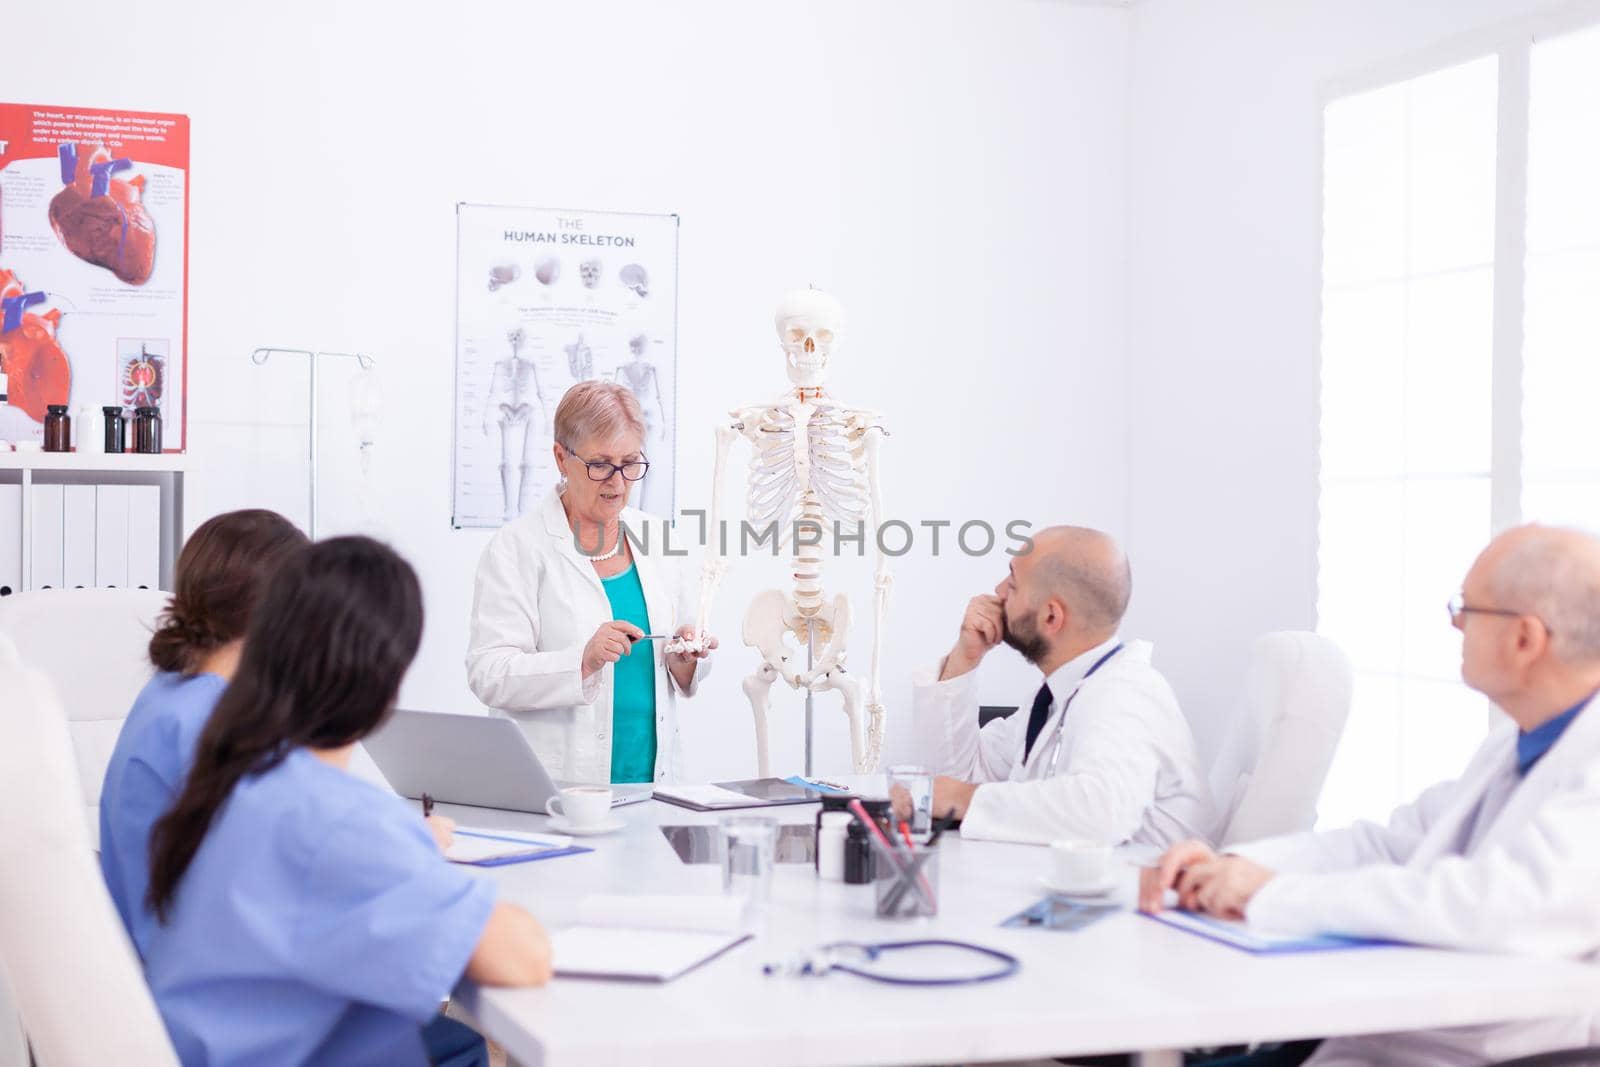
(952, 171)
(1224, 274)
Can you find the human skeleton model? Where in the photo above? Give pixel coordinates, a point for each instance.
(580, 360)
(640, 379)
(815, 463)
(510, 383)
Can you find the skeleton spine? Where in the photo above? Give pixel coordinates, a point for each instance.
(808, 557)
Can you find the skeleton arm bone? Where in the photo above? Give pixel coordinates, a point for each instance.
(715, 565)
(881, 584)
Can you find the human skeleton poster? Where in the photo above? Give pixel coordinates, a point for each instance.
(545, 299)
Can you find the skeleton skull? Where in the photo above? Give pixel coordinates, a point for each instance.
(636, 278)
(503, 274)
(547, 270)
(808, 322)
(589, 273)
(638, 344)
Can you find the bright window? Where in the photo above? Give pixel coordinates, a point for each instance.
(1407, 362)
(1561, 321)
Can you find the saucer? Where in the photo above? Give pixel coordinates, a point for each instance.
(1099, 889)
(562, 825)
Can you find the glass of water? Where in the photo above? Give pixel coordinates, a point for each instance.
(917, 781)
(749, 845)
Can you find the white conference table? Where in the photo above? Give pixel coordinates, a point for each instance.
(1125, 983)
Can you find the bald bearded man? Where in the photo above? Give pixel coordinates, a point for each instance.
(1101, 751)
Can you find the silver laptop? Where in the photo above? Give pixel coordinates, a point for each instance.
(481, 760)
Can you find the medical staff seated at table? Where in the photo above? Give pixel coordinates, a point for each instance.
(1505, 858)
(222, 572)
(303, 915)
(1101, 751)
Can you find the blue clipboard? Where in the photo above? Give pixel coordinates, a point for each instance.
(529, 857)
(1237, 935)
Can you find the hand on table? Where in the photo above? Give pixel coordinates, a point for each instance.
(951, 797)
(443, 829)
(1204, 881)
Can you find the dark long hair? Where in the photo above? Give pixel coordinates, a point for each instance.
(221, 573)
(321, 668)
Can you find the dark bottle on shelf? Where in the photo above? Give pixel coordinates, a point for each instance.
(116, 429)
(147, 431)
(57, 428)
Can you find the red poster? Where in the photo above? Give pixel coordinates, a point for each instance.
(94, 264)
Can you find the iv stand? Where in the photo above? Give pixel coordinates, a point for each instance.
(260, 356)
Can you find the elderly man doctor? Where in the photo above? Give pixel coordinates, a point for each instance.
(1100, 751)
(1505, 858)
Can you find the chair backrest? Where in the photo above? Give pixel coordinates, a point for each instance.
(75, 977)
(1270, 772)
(13, 1048)
(92, 645)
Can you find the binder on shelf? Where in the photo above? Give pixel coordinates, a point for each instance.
(144, 536)
(10, 539)
(46, 540)
(111, 536)
(77, 533)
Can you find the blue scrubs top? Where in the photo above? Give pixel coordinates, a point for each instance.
(318, 923)
(146, 771)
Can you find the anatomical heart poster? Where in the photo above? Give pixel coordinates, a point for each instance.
(546, 299)
(94, 218)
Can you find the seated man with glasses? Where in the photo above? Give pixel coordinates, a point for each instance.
(1102, 753)
(570, 598)
(1505, 858)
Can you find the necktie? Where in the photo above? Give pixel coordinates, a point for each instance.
(1036, 717)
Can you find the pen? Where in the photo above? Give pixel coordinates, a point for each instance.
(650, 637)
(427, 805)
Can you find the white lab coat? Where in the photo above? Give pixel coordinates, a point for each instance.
(1127, 771)
(1523, 879)
(536, 603)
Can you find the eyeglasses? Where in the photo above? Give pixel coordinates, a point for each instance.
(600, 470)
(1457, 607)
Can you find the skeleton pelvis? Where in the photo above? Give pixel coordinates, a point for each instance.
(773, 614)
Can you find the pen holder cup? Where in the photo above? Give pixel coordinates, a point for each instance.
(909, 887)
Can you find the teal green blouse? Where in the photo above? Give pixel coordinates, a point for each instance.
(633, 694)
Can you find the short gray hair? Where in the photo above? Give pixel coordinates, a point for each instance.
(1554, 574)
(595, 410)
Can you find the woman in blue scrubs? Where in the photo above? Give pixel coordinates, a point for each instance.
(305, 916)
(222, 571)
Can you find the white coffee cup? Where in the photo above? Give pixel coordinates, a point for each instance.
(582, 805)
(1079, 864)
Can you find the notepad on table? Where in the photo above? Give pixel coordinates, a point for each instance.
(636, 955)
(647, 938)
(490, 848)
(745, 793)
(1261, 942)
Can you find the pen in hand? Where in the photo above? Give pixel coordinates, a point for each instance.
(427, 805)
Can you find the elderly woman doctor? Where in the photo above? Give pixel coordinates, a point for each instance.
(565, 603)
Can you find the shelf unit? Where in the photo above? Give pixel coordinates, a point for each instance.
(167, 470)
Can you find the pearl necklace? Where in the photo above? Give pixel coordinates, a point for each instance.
(607, 555)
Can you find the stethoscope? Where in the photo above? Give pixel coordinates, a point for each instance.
(1061, 719)
(849, 956)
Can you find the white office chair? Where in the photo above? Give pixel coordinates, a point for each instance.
(77, 983)
(13, 1047)
(92, 645)
(1270, 772)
